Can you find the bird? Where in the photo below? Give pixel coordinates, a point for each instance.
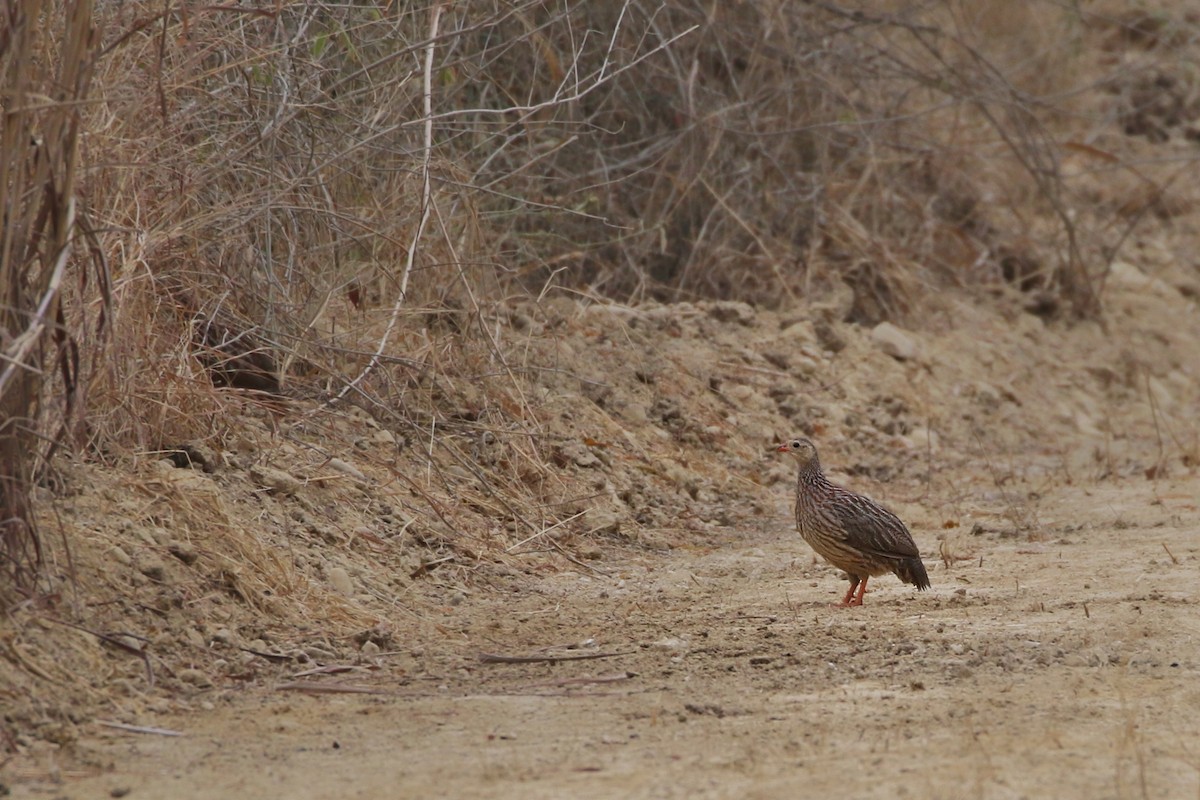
(852, 532)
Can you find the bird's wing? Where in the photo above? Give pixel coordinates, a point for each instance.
(872, 528)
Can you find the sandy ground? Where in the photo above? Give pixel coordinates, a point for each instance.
(1058, 668)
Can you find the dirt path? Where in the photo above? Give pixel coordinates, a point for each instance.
(1061, 668)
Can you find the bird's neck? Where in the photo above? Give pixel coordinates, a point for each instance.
(811, 474)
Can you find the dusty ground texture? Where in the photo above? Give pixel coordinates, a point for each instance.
(556, 559)
(309, 634)
(1066, 667)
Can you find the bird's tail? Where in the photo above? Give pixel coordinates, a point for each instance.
(912, 570)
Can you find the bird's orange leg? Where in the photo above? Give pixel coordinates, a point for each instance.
(848, 600)
(862, 589)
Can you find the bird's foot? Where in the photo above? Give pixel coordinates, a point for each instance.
(853, 597)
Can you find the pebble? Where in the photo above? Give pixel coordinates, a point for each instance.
(196, 455)
(183, 551)
(120, 555)
(732, 311)
(603, 520)
(275, 480)
(319, 654)
(195, 677)
(369, 649)
(132, 642)
(670, 644)
(152, 567)
(341, 581)
(346, 468)
(579, 454)
(895, 341)
(224, 636)
(1124, 274)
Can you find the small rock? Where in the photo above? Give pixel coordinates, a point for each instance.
(603, 520)
(132, 643)
(828, 335)
(579, 454)
(224, 636)
(599, 393)
(896, 342)
(341, 581)
(182, 550)
(194, 455)
(146, 535)
(778, 359)
(732, 311)
(275, 480)
(346, 468)
(1122, 273)
(195, 677)
(671, 644)
(120, 555)
(152, 567)
(318, 654)
(370, 649)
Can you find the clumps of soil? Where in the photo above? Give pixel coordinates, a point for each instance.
(304, 537)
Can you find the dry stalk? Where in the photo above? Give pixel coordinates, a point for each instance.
(38, 157)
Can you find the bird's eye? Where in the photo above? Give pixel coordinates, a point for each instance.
(795, 444)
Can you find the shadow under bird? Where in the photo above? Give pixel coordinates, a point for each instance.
(850, 531)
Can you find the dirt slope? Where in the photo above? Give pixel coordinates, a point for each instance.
(1051, 669)
(1046, 470)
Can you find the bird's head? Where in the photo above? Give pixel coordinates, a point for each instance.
(801, 449)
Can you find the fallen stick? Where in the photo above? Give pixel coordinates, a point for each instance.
(121, 726)
(620, 676)
(329, 669)
(496, 658)
(312, 687)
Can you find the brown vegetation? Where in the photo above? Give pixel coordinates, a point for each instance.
(280, 234)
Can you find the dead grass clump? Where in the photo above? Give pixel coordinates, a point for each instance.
(334, 236)
(771, 150)
(45, 70)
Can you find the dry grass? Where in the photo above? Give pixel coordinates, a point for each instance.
(336, 204)
(324, 229)
(45, 69)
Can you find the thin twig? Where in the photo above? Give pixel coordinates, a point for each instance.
(426, 204)
(20, 346)
(496, 658)
(312, 687)
(544, 531)
(330, 669)
(115, 641)
(618, 677)
(269, 656)
(121, 726)
(563, 552)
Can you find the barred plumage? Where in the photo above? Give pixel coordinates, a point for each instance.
(852, 532)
